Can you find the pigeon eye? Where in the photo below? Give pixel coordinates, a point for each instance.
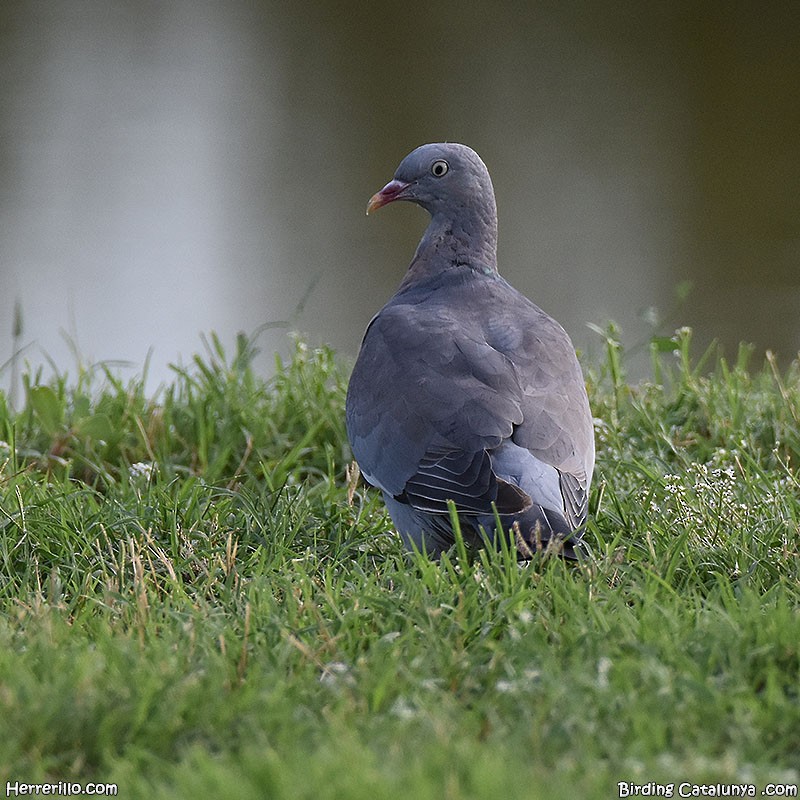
(439, 168)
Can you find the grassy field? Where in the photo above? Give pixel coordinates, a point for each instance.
(197, 600)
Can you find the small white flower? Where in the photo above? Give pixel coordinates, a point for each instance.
(603, 667)
(336, 673)
(142, 469)
(403, 709)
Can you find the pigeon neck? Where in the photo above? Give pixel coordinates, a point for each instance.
(470, 241)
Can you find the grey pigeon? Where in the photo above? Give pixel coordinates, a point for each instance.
(464, 390)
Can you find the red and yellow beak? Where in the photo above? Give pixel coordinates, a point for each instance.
(391, 192)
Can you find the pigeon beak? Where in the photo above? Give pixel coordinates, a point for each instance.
(391, 192)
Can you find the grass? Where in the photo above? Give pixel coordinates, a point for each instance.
(197, 600)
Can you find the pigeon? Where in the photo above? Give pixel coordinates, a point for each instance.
(465, 394)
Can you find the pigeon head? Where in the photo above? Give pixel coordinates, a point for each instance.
(438, 177)
(453, 185)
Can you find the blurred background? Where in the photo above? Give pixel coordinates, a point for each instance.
(173, 167)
